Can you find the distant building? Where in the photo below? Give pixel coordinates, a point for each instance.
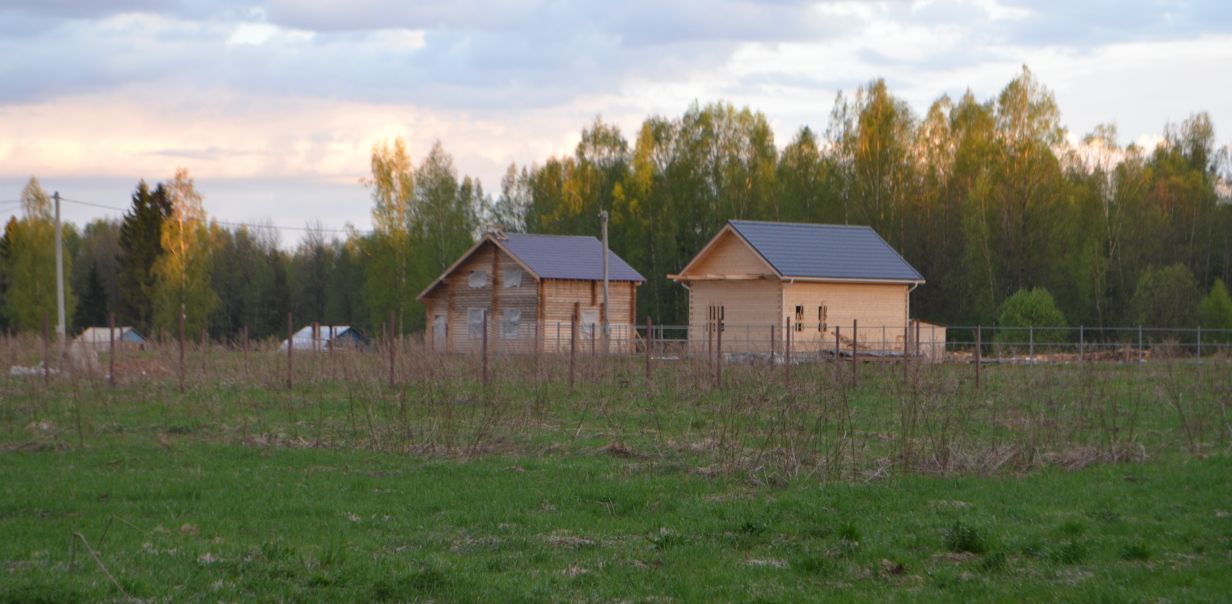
(529, 287)
(99, 338)
(759, 279)
(326, 337)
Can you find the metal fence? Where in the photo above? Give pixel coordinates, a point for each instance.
(935, 342)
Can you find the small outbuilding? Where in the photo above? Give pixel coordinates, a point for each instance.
(762, 282)
(528, 289)
(99, 338)
(323, 338)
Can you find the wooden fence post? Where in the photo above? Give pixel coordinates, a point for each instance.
(46, 348)
(906, 342)
(111, 349)
(1082, 341)
(787, 354)
(182, 313)
(573, 324)
(855, 353)
(838, 339)
(772, 345)
(290, 350)
(649, 345)
(484, 350)
(915, 343)
(979, 346)
(718, 359)
(393, 348)
(205, 352)
(244, 345)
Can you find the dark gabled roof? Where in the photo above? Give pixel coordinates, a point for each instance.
(825, 251)
(552, 257)
(566, 257)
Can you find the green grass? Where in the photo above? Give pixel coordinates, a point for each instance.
(208, 522)
(1103, 483)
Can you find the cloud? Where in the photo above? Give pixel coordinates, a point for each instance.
(279, 91)
(441, 54)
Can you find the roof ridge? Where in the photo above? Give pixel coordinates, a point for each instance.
(811, 224)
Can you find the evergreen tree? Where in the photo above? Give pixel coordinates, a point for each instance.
(92, 309)
(140, 248)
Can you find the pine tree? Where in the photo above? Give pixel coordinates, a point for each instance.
(140, 248)
(92, 308)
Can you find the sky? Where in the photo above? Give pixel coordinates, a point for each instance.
(274, 105)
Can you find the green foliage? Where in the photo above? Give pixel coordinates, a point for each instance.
(140, 248)
(984, 196)
(30, 264)
(1215, 309)
(182, 271)
(1166, 297)
(1030, 307)
(92, 309)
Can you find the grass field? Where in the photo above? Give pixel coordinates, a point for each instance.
(1075, 483)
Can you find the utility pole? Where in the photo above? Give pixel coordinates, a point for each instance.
(606, 307)
(60, 325)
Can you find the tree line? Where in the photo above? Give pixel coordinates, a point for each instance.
(987, 198)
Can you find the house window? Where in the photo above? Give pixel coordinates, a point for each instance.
(511, 320)
(716, 316)
(511, 277)
(799, 317)
(590, 318)
(477, 279)
(821, 317)
(474, 322)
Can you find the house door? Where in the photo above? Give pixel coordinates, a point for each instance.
(440, 331)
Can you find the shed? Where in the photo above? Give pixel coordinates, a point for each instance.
(530, 287)
(761, 282)
(99, 338)
(325, 337)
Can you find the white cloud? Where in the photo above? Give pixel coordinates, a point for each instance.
(278, 94)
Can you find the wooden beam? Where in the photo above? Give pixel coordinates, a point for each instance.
(718, 277)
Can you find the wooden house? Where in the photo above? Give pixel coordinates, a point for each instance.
(529, 288)
(764, 282)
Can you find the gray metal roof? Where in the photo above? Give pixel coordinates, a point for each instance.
(567, 257)
(825, 251)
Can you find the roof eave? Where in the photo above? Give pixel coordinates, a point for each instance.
(919, 281)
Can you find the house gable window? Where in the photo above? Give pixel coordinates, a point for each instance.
(511, 322)
(477, 279)
(511, 277)
(474, 322)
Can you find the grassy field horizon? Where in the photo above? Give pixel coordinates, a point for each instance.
(1104, 483)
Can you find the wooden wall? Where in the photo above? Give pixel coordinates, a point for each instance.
(750, 307)
(730, 255)
(456, 297)
(559, 297)
(880, 309)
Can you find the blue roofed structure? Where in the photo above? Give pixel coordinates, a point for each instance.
(805, 287)
(526, 292)
(825, 251)
(566, 257)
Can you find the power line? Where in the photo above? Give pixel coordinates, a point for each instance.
(230, 223)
